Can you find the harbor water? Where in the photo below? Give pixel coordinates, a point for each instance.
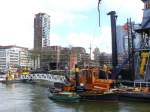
(21, 97)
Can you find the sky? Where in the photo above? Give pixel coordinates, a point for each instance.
(73, 22)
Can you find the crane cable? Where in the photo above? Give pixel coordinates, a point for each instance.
(99, 1)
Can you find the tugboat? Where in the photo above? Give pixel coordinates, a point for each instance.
(89, 86)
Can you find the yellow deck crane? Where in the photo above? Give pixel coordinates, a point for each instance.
(144, 59)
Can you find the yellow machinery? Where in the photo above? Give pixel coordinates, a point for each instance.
(24, 71)
(144, 59)
(9, 76)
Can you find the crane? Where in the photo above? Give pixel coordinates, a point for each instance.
(98, 7)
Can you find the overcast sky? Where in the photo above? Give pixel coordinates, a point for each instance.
(73, 22)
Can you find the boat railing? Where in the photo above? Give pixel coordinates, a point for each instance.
(141, 84)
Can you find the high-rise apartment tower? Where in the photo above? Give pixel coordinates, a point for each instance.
(41, 30)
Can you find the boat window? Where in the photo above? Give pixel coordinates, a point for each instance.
(102, 74)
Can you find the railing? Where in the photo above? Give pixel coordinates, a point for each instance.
(42, 76)
(141, 84)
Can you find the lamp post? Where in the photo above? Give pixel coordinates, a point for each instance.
(77, 76)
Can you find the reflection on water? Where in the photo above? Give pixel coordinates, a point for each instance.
(33, 98)
(90, 107)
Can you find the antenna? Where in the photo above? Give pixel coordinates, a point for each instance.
(90, 50)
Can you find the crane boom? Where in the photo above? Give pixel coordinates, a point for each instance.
(99, 1)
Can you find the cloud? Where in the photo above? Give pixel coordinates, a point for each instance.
(79, 39)
(124, 8)
(73, 39)
(17, 16)
(59, 18)
(55, 39)
(71, 10)
(70, 5)
(16, 22)
(102, 40)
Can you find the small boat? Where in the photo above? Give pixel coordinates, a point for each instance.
(65, 96)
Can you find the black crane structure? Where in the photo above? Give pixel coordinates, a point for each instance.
(113, 18)
(138, 58)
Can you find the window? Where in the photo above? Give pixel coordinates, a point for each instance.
(2, 54)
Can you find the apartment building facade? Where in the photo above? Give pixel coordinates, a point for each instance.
(41, 30)
(14, 56)
(57, 57)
